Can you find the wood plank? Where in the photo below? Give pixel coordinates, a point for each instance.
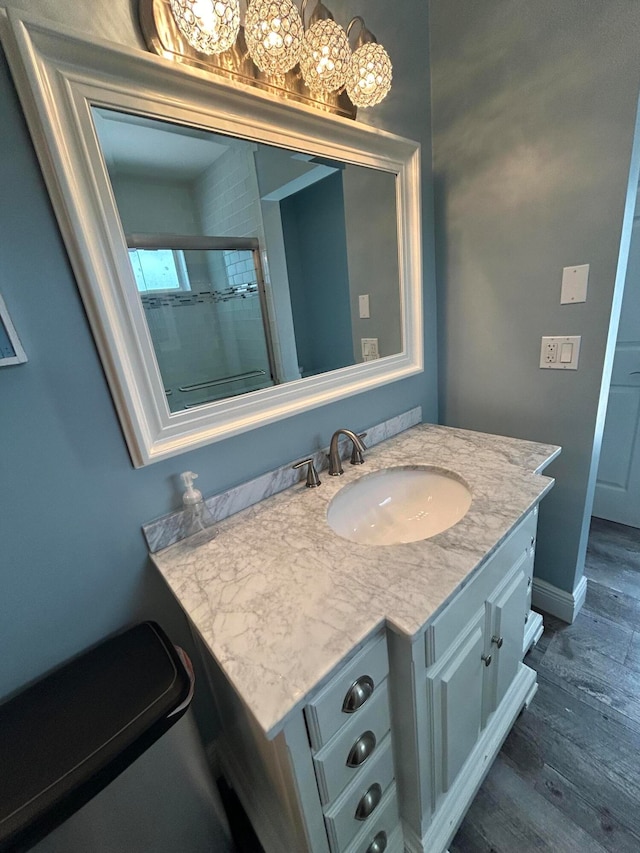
(590, 633)
(609, 534)
(618, 607)
(613, 557)
(519, 818)
(581, 801)
(590, 701)
(470, 838)
(618, 578)
(596, 820)
(585, 746)
(632, 659)
(597, 676)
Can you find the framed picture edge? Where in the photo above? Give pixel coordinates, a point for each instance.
(19, 356)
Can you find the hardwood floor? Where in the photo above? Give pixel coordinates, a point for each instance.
(568, 776)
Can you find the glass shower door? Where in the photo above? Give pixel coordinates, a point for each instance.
(205, 304)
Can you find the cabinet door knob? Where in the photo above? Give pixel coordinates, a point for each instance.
(487, 660)
(357, 694)
(498, 641)
(379, 843)
(533, 541)
(369, 801)
(361, 749)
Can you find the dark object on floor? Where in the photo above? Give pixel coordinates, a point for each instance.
(63, 739)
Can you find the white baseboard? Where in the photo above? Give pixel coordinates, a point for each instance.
(558, 602)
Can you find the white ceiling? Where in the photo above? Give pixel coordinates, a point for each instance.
(134, 144)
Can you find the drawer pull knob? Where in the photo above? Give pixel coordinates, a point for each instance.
(369, 801)
(487, 660)
(357, 694)
(533, 541)
(528, 582)
(498, 642)
(361, 750)
(379, 843)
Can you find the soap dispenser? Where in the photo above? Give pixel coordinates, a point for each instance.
(196, 517)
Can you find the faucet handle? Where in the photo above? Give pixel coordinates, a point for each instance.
(356, 454)
(312, 475)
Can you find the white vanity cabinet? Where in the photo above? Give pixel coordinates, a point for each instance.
(387, 755)
(457, 689)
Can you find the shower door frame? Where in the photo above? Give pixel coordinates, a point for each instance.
(195, 243)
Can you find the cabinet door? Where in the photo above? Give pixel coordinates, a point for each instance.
(456, 684)
(506, 609)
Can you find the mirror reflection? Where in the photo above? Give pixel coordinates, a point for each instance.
(254, 265)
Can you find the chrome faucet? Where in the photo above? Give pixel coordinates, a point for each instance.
(335, 466)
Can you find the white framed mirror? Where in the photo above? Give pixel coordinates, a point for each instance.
(221, 300)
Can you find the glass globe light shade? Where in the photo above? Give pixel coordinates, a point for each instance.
(325, 56)
(210, 26)
(273, 32)
(369, 75)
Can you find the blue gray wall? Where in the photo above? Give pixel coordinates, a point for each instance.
(74, 565)
(534, 106)
(313, 219)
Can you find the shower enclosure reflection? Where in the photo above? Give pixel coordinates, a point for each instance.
(206, 314)
(249, 259)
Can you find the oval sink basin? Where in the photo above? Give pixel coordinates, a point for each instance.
(399, 505)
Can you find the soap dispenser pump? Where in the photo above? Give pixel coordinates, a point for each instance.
(197, 518)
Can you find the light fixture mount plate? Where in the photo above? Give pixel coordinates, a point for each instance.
(162, 36)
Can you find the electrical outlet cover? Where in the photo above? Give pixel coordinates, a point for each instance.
(560, 353)
(369, 349)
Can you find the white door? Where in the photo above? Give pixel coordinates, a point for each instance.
(618, 487)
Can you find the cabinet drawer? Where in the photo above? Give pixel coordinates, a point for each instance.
(446, 627)
(372, 782)
(345, 697)
(367, 729)
(384, 826)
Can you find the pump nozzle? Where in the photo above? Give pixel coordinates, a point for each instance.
(191, 496)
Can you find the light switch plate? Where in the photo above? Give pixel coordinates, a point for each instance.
(574, 284)
(560, 353)
(363, 304)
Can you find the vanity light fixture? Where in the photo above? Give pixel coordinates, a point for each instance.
(210, 26)
(273, 31)
(370, 70)
(298, 56)
(325, 51)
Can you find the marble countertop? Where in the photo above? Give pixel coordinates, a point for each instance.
(281, 600)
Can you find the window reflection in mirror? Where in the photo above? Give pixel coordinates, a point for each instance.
(250, 260)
